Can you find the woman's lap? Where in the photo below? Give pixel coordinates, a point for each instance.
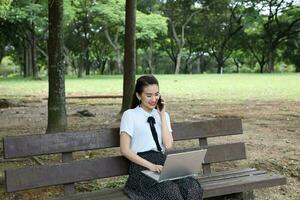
(139, 186)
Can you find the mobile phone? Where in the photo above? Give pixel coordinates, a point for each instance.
(160, 106)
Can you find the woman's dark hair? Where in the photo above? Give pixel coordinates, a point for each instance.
(142, 82)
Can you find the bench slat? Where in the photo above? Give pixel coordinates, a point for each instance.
(225, 175)
(241, 184)
(34, 177)
(208, 128)
(220, 152)
(229, 172)
(225, 152)
(105, 194)
(30, 145)
(211, 189)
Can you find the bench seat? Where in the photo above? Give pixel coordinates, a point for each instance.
(216, 184)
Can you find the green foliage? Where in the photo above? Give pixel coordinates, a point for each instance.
(27, 11)
(149, 6)
(150, 26)
(69, 11)
(252, 21)
(282, 67)
(4, 7)
(208, 35)
(110, 12)
(7, 67)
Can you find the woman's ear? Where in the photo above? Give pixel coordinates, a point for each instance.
(138, 96)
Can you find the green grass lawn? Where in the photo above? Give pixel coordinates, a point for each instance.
(226, 87)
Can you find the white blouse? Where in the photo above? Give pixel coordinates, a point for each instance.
(134, 123)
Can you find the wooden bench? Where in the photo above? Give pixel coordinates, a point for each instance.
(236, 181)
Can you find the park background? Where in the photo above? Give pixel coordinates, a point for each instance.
(213, 59)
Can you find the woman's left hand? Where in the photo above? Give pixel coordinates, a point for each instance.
(163, 102)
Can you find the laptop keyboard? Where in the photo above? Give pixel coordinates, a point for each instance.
(154, 175)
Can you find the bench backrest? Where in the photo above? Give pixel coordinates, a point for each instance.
(71, 171)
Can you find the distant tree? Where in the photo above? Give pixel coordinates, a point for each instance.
(291, 52)
(149, 28)
(57, 117)
(220, 25)
(111, 19)
(275, 22)
(79, 28)
(101, 52)
(180, 14)
(20, 25)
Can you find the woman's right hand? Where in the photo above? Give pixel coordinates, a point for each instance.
(156, 168)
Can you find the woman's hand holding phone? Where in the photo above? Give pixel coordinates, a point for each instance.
(161, 104)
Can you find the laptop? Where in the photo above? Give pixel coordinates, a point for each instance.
(179, 165)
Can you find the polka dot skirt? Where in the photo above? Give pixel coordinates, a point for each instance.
(141, 187)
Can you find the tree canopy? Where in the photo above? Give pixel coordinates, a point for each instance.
(172, 36)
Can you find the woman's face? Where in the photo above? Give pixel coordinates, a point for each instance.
(149, 97)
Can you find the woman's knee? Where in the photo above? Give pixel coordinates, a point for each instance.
(171, 191)
(190, 189)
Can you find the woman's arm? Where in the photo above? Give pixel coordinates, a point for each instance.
(167, 137)
(132, 156)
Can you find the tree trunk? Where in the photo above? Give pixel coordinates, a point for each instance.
(103, 63)
(74, 66)
(261, 66)
(149, 62)
(237, 65)
(27, 60)
(271, 60)
(87, 62)
(220, 67)
(24, 60)
(33, 52)
(178, 61)
(150, 58)
(261, 69)
(109, 66)
(2, 53)
(116, 47)
(180, 41)
(221, 62)
(129, 55)
(186, 66)
(80, 67)
(57, 117)
(119, 61)
(199, 65)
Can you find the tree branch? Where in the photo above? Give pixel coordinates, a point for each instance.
(109, 39)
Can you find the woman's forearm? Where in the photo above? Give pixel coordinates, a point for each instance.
(133, 157)
(167, 137)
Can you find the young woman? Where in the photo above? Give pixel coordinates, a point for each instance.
(145, 136)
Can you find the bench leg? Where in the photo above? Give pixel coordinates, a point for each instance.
(249, 195)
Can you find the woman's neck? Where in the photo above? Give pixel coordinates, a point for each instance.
(146, 109)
